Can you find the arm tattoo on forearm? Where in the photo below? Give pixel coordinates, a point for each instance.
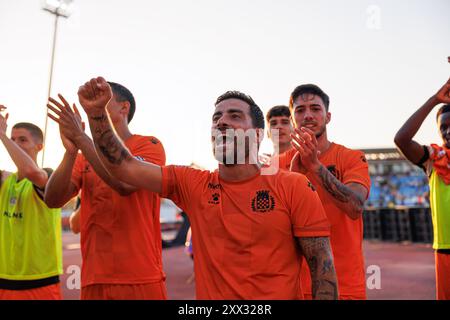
(102, 117)
(111, 148)
(324, 289)
(107, 142)
(338, 190)
(327, 266)
(317, 253)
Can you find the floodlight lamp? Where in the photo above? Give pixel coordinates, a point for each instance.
(61, 8)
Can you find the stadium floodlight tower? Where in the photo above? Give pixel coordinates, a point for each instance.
(59, 8)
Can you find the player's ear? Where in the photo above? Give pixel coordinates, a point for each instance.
(125, 108)
(39, 147)
(328, 117)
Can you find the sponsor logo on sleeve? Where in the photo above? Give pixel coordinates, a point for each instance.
(311, 186)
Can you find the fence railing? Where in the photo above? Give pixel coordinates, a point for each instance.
(398, 224)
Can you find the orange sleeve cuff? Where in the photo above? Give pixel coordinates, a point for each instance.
(310, 233)
(165, 171)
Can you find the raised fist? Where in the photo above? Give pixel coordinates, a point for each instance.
(94, 95)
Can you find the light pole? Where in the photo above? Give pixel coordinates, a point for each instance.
(59, 8)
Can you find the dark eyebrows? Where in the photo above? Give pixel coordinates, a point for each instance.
(219, 113)
(282, 120)
(311, 105)
(20, 137)
(235, 111)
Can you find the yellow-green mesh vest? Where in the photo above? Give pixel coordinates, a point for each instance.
(440, 211)
(30, 233)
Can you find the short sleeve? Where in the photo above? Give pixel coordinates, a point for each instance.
(307, 214)
(356, 169)
(148, 149)
(179, 184)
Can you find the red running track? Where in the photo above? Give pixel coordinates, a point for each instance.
(406, 270)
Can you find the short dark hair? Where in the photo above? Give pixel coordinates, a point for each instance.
(255, 111)
(444, 109)
(123, 94)
(311, 89)
(278, 111)
(33, 129)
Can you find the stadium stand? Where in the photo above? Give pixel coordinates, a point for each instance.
(398, 206)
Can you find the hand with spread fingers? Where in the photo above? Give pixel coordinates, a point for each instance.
(3, 121)
(71, 127)
(306, 159)
(94, 95)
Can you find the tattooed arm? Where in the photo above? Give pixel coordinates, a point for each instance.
(317, 252)
(349, 197)
(94, 97)
(72, 134)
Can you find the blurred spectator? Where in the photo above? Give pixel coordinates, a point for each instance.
(399, 190)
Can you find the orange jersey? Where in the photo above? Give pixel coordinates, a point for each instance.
(346, 234)
(442, 262)
(50, 292)
(120, 235)
(146, 291)
(244, 232)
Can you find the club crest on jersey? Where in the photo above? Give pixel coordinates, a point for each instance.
(263, 202)
(215, 199)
